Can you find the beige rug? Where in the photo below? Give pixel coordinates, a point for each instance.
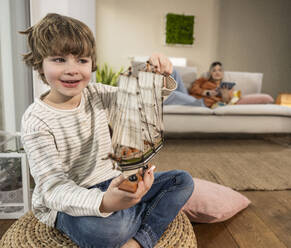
(242, 164)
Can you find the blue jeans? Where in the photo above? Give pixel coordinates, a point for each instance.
(180, 96)
(145, 222)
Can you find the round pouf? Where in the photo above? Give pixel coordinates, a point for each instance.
(28, 232)
(179, 234)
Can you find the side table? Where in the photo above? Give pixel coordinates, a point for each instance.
(284, 99)
(14, 185)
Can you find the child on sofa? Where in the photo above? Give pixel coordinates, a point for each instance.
(66, 138)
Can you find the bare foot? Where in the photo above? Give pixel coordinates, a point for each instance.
(131, 244)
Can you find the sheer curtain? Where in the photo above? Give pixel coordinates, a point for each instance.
(15, 77)
(1, 99)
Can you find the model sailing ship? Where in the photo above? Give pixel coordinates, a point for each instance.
(137, 122)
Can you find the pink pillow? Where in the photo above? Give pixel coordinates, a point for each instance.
(255, 99)
(211, 202)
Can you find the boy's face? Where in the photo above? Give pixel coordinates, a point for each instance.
(67, 75)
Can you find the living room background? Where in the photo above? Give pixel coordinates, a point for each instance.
(245, 35)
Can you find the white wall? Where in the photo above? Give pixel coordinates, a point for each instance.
(136, 28)
(246, 35)
(83, 10)
(255, 35)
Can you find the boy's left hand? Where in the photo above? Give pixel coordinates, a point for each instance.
(164, 65)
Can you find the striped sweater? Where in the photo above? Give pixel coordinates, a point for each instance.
(65, 150)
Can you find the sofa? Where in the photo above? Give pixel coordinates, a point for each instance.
(243, 118)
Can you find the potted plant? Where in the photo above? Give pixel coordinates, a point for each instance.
(106, 75)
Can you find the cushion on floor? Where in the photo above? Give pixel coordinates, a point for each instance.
(212, 202)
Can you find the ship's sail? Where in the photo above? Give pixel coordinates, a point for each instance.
(137, 127)
(126, 117)
(151, 98)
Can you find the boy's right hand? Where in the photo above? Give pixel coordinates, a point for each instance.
(115, 199)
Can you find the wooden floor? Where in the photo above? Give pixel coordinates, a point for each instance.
(266, 223)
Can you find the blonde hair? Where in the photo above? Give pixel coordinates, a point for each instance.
(57, 35)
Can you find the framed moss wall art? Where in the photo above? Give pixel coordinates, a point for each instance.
(179, 29)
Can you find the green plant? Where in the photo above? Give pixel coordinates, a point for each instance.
(106, 75)
(179, 29)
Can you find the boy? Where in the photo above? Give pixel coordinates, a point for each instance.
(66, 137)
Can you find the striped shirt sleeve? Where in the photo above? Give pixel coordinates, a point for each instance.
(57, 190)
(107, 94)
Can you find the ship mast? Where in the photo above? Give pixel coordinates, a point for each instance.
(137, 120)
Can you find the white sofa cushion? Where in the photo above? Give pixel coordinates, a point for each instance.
(254, 109)
(188, 74)
(188, 110)
(246, 82)
(186, 124)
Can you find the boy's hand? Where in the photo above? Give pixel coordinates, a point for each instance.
(164, 65)
(115, 199)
